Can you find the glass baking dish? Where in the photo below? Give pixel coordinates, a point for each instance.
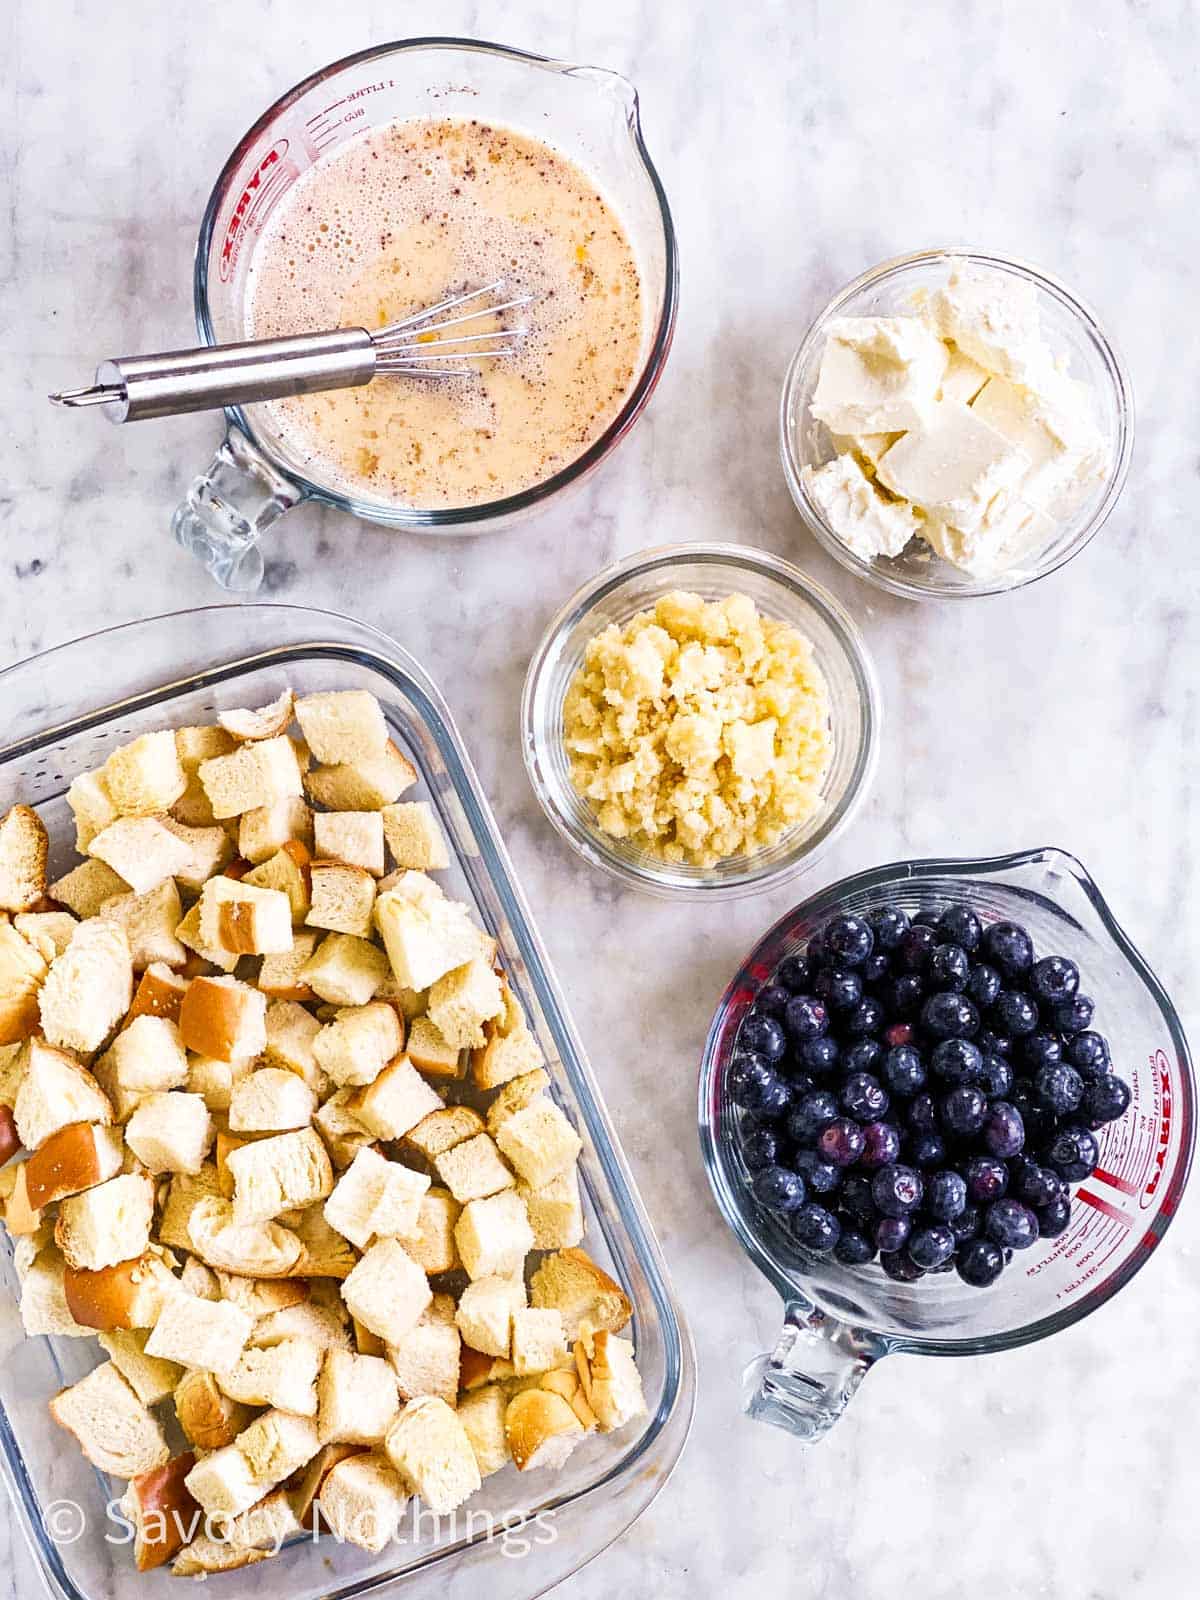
(63, 712)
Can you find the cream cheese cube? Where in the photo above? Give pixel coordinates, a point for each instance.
(993, 318)
(1018, 415)
(862, 519)
(1010, 530)
(878, 374)
(866, 448)
(953, 465)
(962, 379)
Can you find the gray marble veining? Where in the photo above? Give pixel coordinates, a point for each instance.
(799, 144)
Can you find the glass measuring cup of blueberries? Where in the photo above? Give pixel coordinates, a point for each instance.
(947, 1109)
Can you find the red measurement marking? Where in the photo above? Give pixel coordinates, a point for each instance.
(248, 202)
(1115, 1181)
(1102, 1205)
(1160, 1065)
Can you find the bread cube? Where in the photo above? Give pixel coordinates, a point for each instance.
(22, 972)
(343, 898)
(114, 1429)
(150, 1378)
(345, 971)
(264, 722)
(395, 1101)
(555, 1212)
(159, 994)
(611, 1381)
(214, 1080)
(539, 1141)
(201, 743)
(148, 1056)
(145, 776)
(161, 1511)
(244, 918)
(353, 837)
(282, 1375)
(514, 1095)
(345, 725)
(362, 785)
(504, 1057)
(375, 1197)
(429, 1447)
(210, 1420)
(270, 1100)
(258, 1297)
(281, 975)
(88, 988)
(442, 1130)
(141, 851)
(425, 1361)
(253, 776)
(107, 1223)
(291, 1034)
(24, 846)
(283, 1173)
(432, 1246)
(493, 1235)
(387, 1291)
(150, 922)
(425, 938)
(260, 1530)
(188, 933)
(343, 1133)
(49, 932)
(222, 1017)
(429, 1049)
(54, 1090)
(414, 836)
(75, 1158)
(86, 887)
(265, 830)
(287, 872)
(473, 1169)
(355, 1047)
(44, 1305)
(541, 1429)
(209, 850)
(224, 1483)
(538, 1340)
(184, 1193)
(482, 1416)
(572, 1283)
(93, 807)
(357, 1399)
(362, 1499)
(128, 1295)
(485, 1313)
(320, 1325)
(170, 1132)
(209, 1334)
(277, 1443)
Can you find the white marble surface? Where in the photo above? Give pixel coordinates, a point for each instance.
(799, 144)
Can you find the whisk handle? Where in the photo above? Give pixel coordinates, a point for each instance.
(132, 388)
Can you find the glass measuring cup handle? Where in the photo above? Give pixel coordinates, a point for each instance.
(812, 1374)
(229, 507)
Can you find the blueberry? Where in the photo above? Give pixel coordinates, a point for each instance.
(1059, 1088)
(1008, 947)
(840, 1142)
(1014, 1013)
(1073, 1016)
(966, 1224)
(761, 1149)
(945, 1195)
(771, 1000)
(754, 1086)
(1106, 1098)
(821, 1176)
(980, 1262)
(929, 1247)
(898, 1033)
(853, 1249)
(949, 1016)
(1010, 1224)
(903, 998)
(987, 1179)
(1088, 1053)
(903, 1070)
(949, 967)
(855, 1198)
(928, 916)
(1003, 1131)
(810, 1114)
(841, 988)
(1037, 1186)
(983, 985)
(805, 1018)
(963, 1110)
(1041, 1050)
(915, 948)
(816, 1228)
(763, 1036)
(993, 1043)
(1073, 1153)
(819, 1055)
(864, 1055)
(889, 925)
(800, 1083)
(927, 1150)
(779, 1189)
(961, 926)
(898, 1264)
(891, 1233)
(794, 974)
(1054, 979)
(1052, 1219)
(867, 1017)
(849, 940)
(922, 1114)
(881, 1144)
(956, 1060)
(875, 968)
(896, 1190)
(995, 1076)
(864, 1098)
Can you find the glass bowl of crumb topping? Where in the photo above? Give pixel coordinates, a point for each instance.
(955, 424)
(700, 720)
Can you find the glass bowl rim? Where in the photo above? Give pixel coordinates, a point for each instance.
(472, 518)
(1079, 309)
(587, 842)
(916, 870)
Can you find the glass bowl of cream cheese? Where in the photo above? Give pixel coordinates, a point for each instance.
(955, 424)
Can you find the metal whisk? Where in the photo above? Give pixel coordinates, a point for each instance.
(134, 387)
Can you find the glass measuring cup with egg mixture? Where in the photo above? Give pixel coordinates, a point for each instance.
(585, 114)
(839, 1320)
